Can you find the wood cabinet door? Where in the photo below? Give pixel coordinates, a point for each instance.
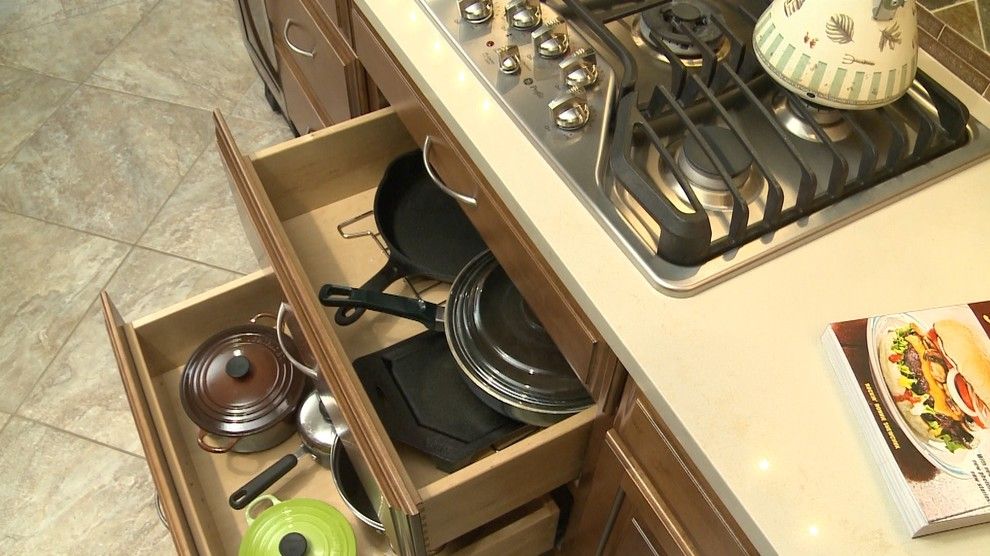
(629, 536)
(622, 514)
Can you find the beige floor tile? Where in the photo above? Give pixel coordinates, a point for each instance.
(20, 14)
(200, 221)
(50, 275)
(65, 495)
(185, 51)
(71, 48)
(104, 162)
(82, 392)
(26, 100)
(148, 281)
(76, 7)
(4, 417)
(253, 106)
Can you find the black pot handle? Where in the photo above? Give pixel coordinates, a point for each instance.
(429, 314)
(381, 280)
(256, 486)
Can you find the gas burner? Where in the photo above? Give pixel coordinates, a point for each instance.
(662, 24)
(702, 176)
(836, 127)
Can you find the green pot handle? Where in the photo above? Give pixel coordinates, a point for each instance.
(250, 507)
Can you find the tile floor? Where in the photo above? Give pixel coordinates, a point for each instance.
(109, 179)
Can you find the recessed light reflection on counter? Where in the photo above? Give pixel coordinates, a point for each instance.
(436, 45)
(763, 464)
(813, 530)
(486, 105)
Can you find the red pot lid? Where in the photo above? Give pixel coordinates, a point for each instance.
(239, 382)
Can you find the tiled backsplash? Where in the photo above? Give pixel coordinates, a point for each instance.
(957, 33)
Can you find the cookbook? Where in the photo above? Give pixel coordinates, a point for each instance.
(919, 385)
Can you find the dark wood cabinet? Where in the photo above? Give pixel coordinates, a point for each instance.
(643, 495)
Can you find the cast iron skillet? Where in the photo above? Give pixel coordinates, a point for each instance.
(425, 230)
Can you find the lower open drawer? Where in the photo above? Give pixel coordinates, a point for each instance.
(193, 485)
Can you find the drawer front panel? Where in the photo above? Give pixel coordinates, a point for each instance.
(705, 520)
(546, 295)
(161, 475)
(300, 108)
(326, 60)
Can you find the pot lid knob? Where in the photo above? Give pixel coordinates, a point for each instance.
(238, 366)
(293, 544)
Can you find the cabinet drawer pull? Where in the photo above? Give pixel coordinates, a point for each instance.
(161, 511)
(296, 49)
(467, 200)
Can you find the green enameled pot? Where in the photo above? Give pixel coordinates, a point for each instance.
(297, 527)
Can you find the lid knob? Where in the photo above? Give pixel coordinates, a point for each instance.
(238, 366)
(293, 544)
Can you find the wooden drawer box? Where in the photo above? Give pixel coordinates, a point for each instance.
(296, 194)
(193, 485)
(321, 55)
(570, 328)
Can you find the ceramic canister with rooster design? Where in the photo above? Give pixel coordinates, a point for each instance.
(851, 54)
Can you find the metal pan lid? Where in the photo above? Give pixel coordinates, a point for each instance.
(502, 345)
(239, 382)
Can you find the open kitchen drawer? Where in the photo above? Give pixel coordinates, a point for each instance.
(193, 485)
(295, 196)
(567, 324)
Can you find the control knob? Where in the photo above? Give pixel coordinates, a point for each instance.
(580, 69)
(550, 40)
(570, 110)
(508, 59)
(523, 14)
(476, 11)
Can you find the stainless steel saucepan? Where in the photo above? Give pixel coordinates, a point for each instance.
(506, 355)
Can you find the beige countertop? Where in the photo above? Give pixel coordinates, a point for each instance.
(738, 371)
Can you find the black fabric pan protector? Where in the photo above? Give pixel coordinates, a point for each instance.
(416, 388)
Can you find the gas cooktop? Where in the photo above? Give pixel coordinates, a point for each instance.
(659, 117)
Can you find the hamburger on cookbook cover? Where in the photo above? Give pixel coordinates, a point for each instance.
(938, 380)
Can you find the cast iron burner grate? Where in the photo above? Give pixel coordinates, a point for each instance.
(733, 94)
(664, 23)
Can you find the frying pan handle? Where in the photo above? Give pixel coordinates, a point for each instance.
(427, 144)
(256, 486)
(381, 280)
(418, 310)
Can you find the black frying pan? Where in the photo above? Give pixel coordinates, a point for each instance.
(425, 230)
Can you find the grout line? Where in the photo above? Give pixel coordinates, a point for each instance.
(14, 65)
(187, 259)
(68, 336)
(141, 96)
(979, 22)
(952, 5)
(66, 226)
(79, 436)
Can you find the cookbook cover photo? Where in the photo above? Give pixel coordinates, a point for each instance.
(919, 384)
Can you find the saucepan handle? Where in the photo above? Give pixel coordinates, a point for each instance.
(381, 280)
(429, 314)
(213, 449)
(258, 485)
